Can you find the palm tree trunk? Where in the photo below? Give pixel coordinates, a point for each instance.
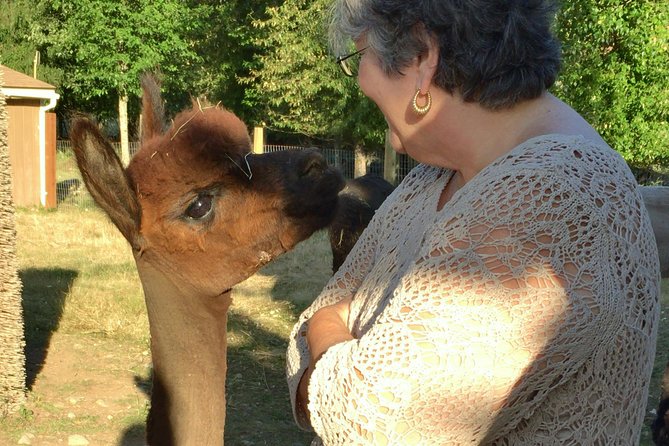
(12, 343)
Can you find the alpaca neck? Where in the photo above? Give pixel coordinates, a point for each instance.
(188, 347)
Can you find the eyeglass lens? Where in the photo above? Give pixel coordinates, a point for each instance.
(347, 67)
(349, 63)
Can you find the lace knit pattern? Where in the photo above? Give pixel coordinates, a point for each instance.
(524, 312)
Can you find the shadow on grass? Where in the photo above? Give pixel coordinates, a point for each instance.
(135, 435)
(258, 407)
(43, 297)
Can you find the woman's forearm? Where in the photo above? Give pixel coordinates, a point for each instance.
(327, 327)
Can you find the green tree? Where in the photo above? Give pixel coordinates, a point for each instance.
(16, 49)
(103, 46)
(298, 86)
(226, 46)
(616, 72)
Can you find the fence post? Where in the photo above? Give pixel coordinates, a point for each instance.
(389, 161)
(123, 128)
(258, 139)
(360, 163)
(51, 200)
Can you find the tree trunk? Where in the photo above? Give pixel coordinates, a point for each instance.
(123, 127)
(360, 163)
(12, 343)
(390, 162)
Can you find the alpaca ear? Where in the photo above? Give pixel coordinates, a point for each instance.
(106, 179)
(153, 114)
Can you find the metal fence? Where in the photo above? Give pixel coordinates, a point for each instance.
(344, 160)
(65, 146)
(71, 191)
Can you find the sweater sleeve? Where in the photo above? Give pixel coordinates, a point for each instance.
(504, 303)
(344, 283)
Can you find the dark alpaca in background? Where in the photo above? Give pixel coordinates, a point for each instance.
(660, 426)
(358, 202)
(656, 199)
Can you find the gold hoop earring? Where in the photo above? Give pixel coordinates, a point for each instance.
(421, 111)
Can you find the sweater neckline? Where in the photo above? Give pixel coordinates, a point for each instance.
(447, 174)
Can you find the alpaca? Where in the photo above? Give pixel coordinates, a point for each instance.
(358, 201)
(656, 199)
(201, 214)
(660, 426)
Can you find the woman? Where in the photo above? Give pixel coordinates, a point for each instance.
(507, 292)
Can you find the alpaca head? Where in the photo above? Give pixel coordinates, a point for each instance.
(195, 204)
(201, 214)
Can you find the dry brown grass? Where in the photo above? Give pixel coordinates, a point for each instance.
(104, 295)
(87, 333)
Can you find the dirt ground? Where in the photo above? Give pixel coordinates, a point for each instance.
(89, 388)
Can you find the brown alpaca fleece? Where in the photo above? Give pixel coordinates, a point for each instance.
(201, 214)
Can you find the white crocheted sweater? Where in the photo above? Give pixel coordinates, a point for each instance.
(524, 312)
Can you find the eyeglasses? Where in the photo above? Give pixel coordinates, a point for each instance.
(349, 63)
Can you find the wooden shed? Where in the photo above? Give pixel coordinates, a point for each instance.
(32, 138)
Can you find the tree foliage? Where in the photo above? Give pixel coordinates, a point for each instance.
(105, 45)
(225, 43)
(268, 61)
(17, 51)
(301, 87)
(616, 72)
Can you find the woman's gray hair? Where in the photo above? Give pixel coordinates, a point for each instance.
(493, 52)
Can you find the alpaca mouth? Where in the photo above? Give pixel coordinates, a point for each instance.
(285, 245)
(264, 258)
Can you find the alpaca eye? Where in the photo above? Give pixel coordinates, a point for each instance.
(200, 207)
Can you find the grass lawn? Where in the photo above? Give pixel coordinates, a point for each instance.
(88, 347)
